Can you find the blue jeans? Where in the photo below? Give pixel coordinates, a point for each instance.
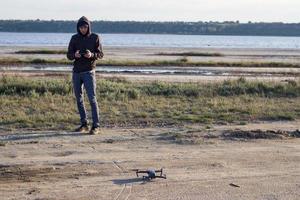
(88, 80)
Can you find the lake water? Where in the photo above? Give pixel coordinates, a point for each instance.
(154, 40)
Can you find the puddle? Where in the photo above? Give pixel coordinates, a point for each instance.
(203, 71)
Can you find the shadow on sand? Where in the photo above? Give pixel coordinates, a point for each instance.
(128, 181)
(37, 135)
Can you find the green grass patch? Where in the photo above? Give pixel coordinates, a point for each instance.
(41, 103)
(196, 54)
(17, 61)
(41, 51)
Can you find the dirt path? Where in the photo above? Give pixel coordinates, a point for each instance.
(199, 163)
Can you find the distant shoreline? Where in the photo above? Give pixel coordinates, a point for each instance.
(228, 28)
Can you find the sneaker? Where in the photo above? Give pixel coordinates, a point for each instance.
(82, 128)
(95, 130)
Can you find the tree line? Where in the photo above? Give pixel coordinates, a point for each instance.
(148, 27)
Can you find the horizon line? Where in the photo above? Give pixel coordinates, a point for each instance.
(161, 21)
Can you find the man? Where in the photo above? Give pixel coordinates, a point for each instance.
(85, 48)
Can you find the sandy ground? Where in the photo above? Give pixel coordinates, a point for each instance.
(68, 165)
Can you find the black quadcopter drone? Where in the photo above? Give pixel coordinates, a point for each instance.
(151, 174)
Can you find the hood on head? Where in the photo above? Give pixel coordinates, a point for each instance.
(84, 20)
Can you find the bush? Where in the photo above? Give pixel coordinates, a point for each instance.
(264, 89)
(120, 89)
(28, 87)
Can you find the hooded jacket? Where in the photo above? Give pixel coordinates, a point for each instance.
(89, 41)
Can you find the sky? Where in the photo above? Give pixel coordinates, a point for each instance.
(154, 10)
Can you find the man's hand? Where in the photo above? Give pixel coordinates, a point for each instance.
(101, 54)
(88, 54)
(77, 54)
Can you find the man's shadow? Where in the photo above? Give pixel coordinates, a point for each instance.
(37, 135)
